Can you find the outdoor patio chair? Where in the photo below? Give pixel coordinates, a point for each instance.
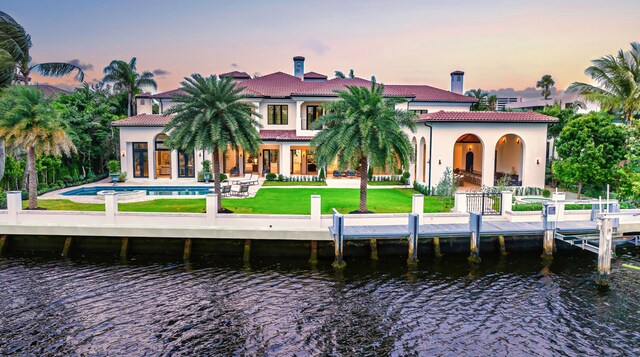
(337, 173)
(225, 191)
(242, 191)
(239, 180)
(351, 174)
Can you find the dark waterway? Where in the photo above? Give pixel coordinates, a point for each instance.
(511, 305)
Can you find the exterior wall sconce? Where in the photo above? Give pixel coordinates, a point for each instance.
(439, 162)
(470, 147)
(537, 161)
(517, 141)
(504, 140)
(123, 153)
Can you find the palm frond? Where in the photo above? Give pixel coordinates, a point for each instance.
(58, 69)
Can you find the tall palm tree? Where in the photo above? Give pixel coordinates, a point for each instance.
(492, 101)
(546, 82)
(29, 122)
(125, 76)
(212, 116)
(481, 96)
(618, 79)
(340, 74)
(362, 129)
(15, 44)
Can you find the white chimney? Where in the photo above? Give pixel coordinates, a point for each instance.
(298, 67)
(457, 82)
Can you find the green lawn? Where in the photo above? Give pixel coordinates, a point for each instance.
(294, 183)
(385, 183)
(277, 201)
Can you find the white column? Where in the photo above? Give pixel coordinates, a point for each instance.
(559, 196)
(460, 205)
(174, 164)
(285, 159)
(417, 204)
(298, 117)
(488, 162)
(211, 207)
(152, 159)
(507, 201)
(14, 205)
(316, 211)
(110, 207)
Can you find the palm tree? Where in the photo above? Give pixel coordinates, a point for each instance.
(546, 82)
(492, 101)
(364, 128)
(480, 96)
(124, 76)
(618, 79)
(211, 116)
(15, 44)
(29, 122)
(340, 74)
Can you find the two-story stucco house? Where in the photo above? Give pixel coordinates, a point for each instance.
(480, 146)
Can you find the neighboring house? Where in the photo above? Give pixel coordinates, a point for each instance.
(50, 91)
(480, 146)
(565, 100)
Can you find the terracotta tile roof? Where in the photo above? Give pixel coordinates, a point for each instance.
(329, 88)
(50, 91)
(282, 135)
(314, 75)
(168, 94)
(235, 74)
(424, 93)
(275, 85)
(144, 95)
(515, 117)
(143, 120)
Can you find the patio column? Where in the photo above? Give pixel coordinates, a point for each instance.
(151, 150)
(285, 159)
(174, 164)
(488, 169)
(298, 117)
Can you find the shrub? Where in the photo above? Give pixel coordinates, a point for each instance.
(200, 176)
(370, 173)
(271, 177)
(527, 207)
(122, 177)
(206, 166)
(223, 177)
(546, 193)
(67, 179)
(280, 177)
(113, 166)
(321, 175)
(60, 183)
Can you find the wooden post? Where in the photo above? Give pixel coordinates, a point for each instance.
(605, 251)
(436, 247)
(246, 256)
(3, 243)
(413, 227)
(373, 243)
(124, 248)
(475, 224)
(338, 240)
(314, 252)
(67, 247)
(503, 247)
(186, 255)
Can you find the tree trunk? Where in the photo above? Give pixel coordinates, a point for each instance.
(33, 178)
(579, 190)
(129, 104)
(25, 175)
(216, 176)
(364, 168)
(2, 159)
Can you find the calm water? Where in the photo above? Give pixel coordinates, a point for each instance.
(508, 306)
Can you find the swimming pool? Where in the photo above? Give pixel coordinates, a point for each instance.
(150, 190)
(532, 199)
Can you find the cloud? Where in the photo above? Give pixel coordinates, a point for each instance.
(83, 66)
(527, 93)
(234, 65)
(316, 46)
(160, 72)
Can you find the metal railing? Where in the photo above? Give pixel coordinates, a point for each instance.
(484, 203)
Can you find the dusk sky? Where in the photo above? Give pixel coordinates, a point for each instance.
(499, 44)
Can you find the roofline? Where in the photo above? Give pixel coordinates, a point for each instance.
(487, 121)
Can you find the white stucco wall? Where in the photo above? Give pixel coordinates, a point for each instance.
(433, 107)
(144, 106)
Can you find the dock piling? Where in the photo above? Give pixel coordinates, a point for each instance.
(475, 223)
(373, 243)
(67, 247)
(186, 255)
(605, 251)
(124, 248)
(246, 256)
(436, 247)
(3, 243)
(549, 231)
(314, 252)
(503, 247)
(338, 240)
(413, 227)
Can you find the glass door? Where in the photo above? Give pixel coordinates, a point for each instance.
(270, 161)
(140, 160)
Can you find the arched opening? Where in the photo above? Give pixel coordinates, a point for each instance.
(467, 160)
(509, 160)
(163, 157)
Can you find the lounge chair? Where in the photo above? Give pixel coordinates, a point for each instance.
(245, 178)
(225, 190)
(242, 191)
(337, 173)
(351, 173)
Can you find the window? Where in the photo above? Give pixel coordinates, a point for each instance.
(142, 102)
(277, 114)
(140, 160)
(313, 113)
(186, 166)
(419, 111)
